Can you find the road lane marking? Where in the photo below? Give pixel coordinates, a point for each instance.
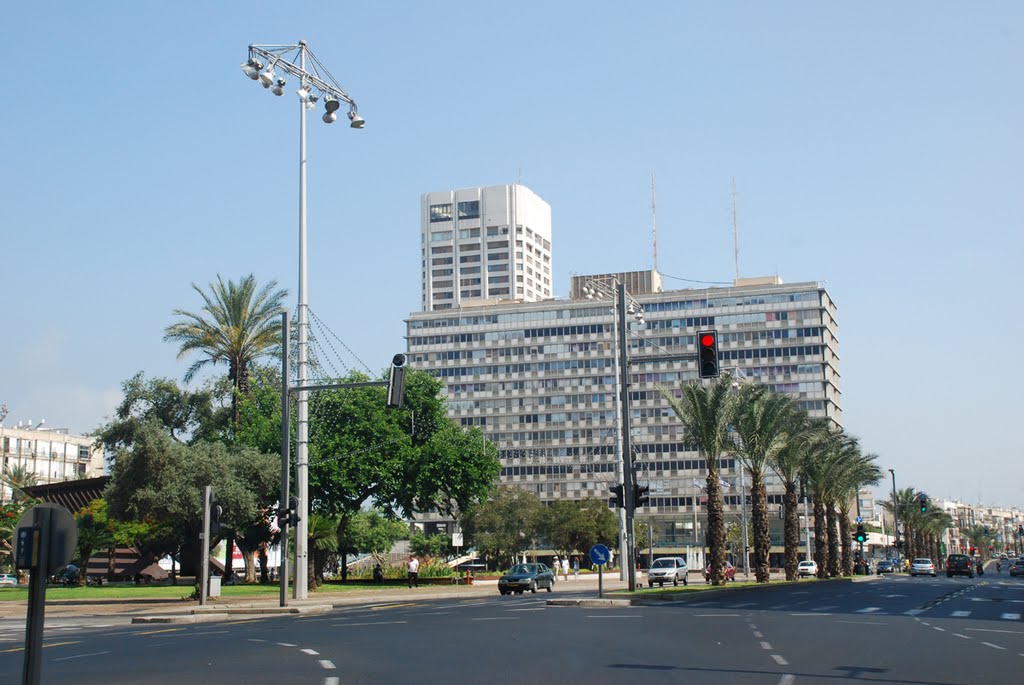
(814, 614)
(393, 606)
(914, 612)
(989, 644)
(826, 607)
(758, 634)
(966, 637)
(333, 680)
(52, 644)
(993, 630)
(154, 632)
(311, 652)
(285, 644)
(941, 630)
(766, 646)
(1010, 617)
(368, 623)
(438, 613)
(714, 615)
(960, 614)
(868, 610)
(862, 623)
(740, 606)
(327, 664)
(602, 616)
(779, 660)
(504, 618)
(81, 656)
(787, 679)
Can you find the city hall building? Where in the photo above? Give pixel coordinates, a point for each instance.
(540, 378)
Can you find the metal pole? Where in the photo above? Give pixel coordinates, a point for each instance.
(285, 450)
(807, 532)
(34, 621)
(895, 517)
(204, 538)
(860, 545)
(627, 450)
(302, 417)
(621, 513)
(743, 511)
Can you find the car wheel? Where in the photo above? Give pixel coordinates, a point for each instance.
(551, 586)
(650, 583)
(675, 582)
(685, 581)
(533, 587)
(949, 575)
(503, 592)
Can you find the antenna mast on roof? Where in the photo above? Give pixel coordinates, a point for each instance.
(654, 225)
(735, 229)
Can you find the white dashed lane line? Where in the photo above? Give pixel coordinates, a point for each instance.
(327, 664)
(779, 660)
(989, 644)
(1010, 617)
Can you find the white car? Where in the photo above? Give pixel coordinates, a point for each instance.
(807, 568)
(7, 580)
(922, 567)
(665, 570)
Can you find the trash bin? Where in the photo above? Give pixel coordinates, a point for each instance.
(214, 590)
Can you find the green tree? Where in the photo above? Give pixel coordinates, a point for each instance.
(705, 410)
(238, 324)
(787, 463)
(574, 526)
(856, 471)
(504, 525)
(323, 545)
(761, 422)
(375, 534)
(434, 546)
(18, 477)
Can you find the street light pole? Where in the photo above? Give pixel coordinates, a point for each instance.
(628, 476)
(315, 82)
(895, 516)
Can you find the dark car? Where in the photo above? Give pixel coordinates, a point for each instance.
(730, 572)
(959, 565)
(522, 577)
(885, 566)
(1018, 568)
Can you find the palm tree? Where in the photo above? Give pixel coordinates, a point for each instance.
(705, 411)
(238, 324)
(323, 541)
(818, 471)
(18, 477)
(787, 463)
(906, 511)
(858, 471)
(761, 419)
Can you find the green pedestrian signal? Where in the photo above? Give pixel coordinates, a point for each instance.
(860, 536)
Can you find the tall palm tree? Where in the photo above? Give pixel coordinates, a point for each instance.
(818, 471)
(906, 511)
(17, 477)
(761, 419)
(787, 463)
(858, 471)
(239, 323)
(705, 411)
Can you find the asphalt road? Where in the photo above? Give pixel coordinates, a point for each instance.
(891, 630)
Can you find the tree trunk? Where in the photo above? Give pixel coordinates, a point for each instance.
(229, 554)
(846, 541)
(250, 566)
(264, 571)
(833, 541)
(820, 539)
(716, 530)
(762, 534)
(791, 532)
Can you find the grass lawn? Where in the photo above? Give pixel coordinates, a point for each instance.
(169, 593)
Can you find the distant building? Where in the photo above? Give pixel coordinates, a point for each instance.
(539, 378)
(52, 454)
(481, 245)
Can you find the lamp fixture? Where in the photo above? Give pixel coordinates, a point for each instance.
(267, 77)
(278, 88)
(357, 121)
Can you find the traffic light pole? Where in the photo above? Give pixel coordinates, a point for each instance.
(895, 515)
(285, 451)
(628, 477)
(204, 579)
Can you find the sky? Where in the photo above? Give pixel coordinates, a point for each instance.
(874, 147)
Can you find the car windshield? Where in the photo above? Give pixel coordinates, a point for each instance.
(663, 563)
(523, 568)
(806, 563)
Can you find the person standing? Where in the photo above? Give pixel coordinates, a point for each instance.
(576, 568)
(556, 566)
(565, 568)
(414, 571)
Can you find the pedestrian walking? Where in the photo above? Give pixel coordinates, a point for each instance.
(565, 568)
(576, 568)
(414, 571)
(556, 566)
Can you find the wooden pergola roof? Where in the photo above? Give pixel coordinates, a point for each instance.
(70, 494)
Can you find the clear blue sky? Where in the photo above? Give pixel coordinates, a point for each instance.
(875, 146)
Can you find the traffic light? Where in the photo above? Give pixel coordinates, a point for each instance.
(860, 536)
(217, 524)
(618, 499)
(707, 354)
(289, 516)
(641, 495)
(923, 499)
(396, 382)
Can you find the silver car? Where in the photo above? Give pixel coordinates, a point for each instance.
(922, 567)
(667, 569)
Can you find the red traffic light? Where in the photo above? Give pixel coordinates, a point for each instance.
(707, 340)
(707, 354)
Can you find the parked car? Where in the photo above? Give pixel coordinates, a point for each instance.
(522, 577)
(667, 569)
(730, 572)
(959, 565)
(922, 567)
(8, 580)
(885, 566)
(807, 568)
(1018, 568)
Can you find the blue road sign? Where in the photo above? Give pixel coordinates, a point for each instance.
(860, 519)
(599, 554)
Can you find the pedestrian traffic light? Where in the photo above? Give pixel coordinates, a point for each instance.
(289, 516)
(618, 501)
(217, 524)
(707, 354)
(641, 495)
(396, 382)
(923, 499)
(860, 536)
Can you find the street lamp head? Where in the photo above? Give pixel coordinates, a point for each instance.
(278, 88)
(267, 77)
(252, 68)
(303, 93)
(357, 121)
(331, 104)
(330, 117)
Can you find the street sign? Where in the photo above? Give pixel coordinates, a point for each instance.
(599, 554)
(59, 533)
(860, 519)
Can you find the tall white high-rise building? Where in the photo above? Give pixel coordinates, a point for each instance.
(485, 245)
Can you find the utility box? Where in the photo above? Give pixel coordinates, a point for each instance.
(214, 589)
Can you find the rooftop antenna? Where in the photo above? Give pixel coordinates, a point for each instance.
(735, 228)
(654, 225)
